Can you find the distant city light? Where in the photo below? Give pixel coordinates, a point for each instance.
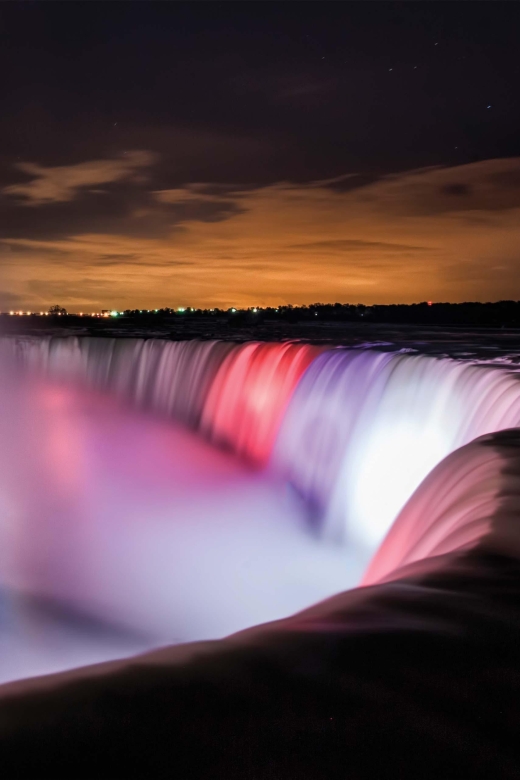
(181, 309)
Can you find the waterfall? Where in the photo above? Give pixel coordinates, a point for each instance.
(406, 464)
(364, 428)
(169, 377)
(235, 394)
(471, 499)
(353, 431)
(250, 393)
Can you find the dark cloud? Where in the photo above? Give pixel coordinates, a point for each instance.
(352, 245)
(134, 260)
(458, 189)
(129, 208)
(324, 153)
(258, 92)
(441, 190)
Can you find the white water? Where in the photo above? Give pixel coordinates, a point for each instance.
(138, 523)
(363, 429)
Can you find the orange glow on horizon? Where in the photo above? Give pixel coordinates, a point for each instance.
(401, 239)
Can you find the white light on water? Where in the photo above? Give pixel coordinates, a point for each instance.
(139, 523)
(392, 464)
(144, 523)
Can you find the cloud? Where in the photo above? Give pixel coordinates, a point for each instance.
(193, 193)
(62, 183)
(490, 185)
(355, 245)
(9, 300)
(431, 234)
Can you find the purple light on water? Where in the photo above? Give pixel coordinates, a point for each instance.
(143, 526)
(130, 518)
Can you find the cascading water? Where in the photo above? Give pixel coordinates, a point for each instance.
(236, 394)
(469, 500)
(415, 676)
(169, 377)
(364, 428)
(353, 431)
(249, 395)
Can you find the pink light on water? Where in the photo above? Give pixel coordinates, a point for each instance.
(250, 393)
(470, 499)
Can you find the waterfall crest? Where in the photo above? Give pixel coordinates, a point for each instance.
(354, 431)
(471, 499)
(364, 428)
(250, 393)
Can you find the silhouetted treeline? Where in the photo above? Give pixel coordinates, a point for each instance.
(502, 314)
(499, 314)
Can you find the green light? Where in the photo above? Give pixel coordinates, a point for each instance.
(113, 313)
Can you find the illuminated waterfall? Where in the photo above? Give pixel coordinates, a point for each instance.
(166, 376)
(250, 393)
(363, 429)
(354, 431)
(145, 525)
(471, 499)
(236, 394)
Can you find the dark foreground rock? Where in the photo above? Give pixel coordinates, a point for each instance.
(415, 678)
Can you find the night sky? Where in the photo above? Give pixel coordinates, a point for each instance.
(242, 154)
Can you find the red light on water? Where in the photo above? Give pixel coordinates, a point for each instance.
(250, 393)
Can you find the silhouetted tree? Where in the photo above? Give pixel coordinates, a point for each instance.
(57, 310)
